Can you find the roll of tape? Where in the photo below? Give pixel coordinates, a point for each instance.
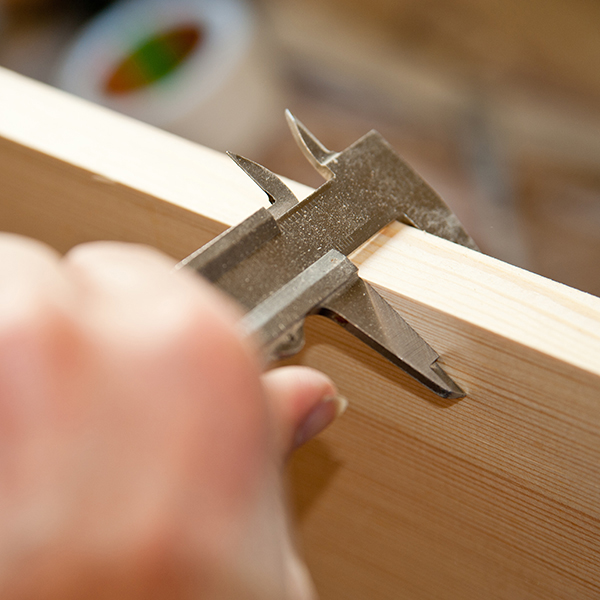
(193, 67)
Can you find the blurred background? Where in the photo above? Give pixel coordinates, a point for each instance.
(496, 104)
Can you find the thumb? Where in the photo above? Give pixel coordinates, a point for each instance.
(303, 401)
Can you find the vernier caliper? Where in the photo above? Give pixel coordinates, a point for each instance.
(289, 261)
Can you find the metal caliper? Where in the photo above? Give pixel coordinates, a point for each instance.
(289, 261)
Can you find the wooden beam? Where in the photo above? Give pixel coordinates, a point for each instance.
(494, 496)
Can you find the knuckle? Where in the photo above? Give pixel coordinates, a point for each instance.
(38, 343)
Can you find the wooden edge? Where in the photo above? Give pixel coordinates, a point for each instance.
(119, 152)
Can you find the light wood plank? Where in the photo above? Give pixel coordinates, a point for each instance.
(493, 496)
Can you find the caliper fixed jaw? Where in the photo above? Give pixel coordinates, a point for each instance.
(392, 182)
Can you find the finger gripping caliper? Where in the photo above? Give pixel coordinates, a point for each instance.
(289, 261)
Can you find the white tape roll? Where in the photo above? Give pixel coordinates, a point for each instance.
(193, 67)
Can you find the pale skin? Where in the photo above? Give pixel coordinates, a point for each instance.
(141, 444)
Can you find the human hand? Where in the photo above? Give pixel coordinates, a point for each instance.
(141, 449)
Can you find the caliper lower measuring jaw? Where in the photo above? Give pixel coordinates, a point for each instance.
(289, 261)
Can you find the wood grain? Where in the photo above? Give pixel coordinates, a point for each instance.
(407, 496)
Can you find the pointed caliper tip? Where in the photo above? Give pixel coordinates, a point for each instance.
(317, 154)
(277, 191)
(442, 384)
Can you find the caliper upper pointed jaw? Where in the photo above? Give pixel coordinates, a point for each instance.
(329, 162)
(320, 157)
(279, 194)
